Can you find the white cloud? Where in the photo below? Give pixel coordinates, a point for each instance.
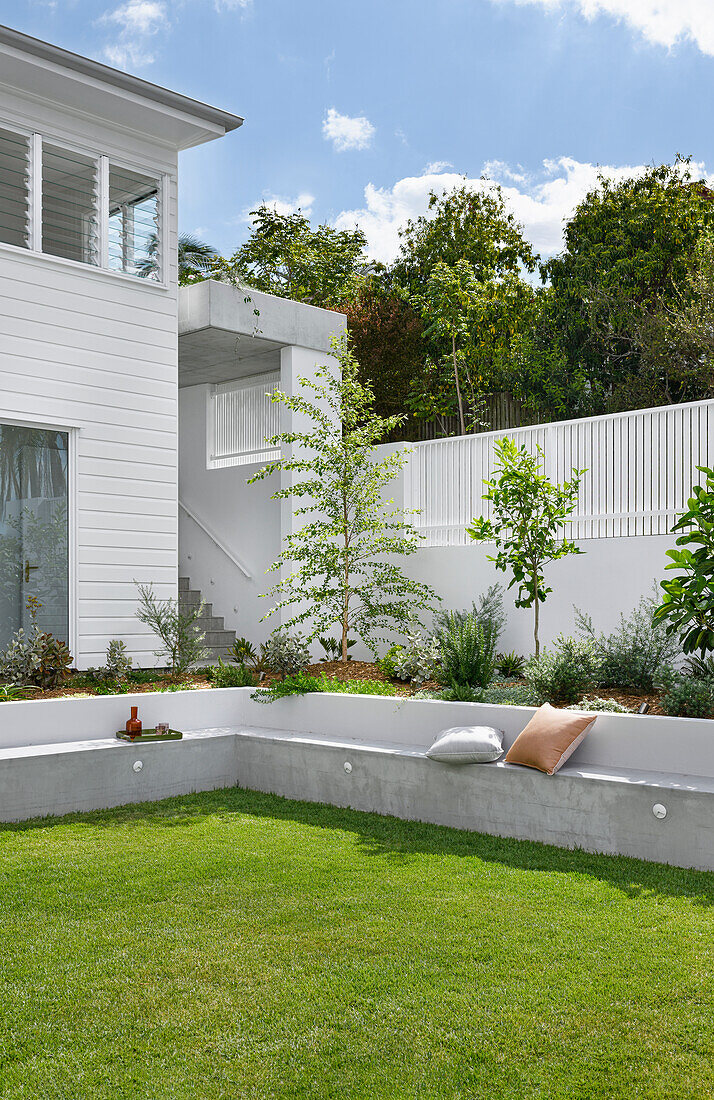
(281, 204)
(232, 5)
(540, 202)
(137, 22)
(143, 17)
(347, 133)
(436, 166)
(661, 22)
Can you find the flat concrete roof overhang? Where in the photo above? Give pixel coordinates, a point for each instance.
(222, 338)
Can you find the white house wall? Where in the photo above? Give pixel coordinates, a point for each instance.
(97, 352)
(243, 516)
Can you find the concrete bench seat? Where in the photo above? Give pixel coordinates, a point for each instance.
(601, 801)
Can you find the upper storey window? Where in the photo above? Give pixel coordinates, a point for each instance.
(70, 205)
(134, 222)
(64, 202)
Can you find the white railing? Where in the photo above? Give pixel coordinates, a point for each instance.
(214, 538)
(241, 417)
(640, 470)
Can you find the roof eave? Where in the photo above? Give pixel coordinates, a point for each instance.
(135, 86)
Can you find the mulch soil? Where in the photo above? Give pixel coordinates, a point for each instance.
(353, 670)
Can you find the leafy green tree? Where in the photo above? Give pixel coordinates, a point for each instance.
(463, 224)
(285, 256)
(462, 266)
(446, 306)
(678, 341)
(627, 250)
(529, 512)
(195, 257)
(687, 606)
(344, 559)
(535, 369)
(386, 335)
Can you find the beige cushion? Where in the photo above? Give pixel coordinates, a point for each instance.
(549, 739)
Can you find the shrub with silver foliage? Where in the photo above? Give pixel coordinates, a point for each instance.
(635, 653)
(562, 674)
(286, 653)
(117, 667)
(418, 657)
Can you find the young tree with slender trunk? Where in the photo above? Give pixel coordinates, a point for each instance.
(343, 561)
(446, 305)
(529, 514)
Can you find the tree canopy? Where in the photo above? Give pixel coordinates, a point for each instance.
(622, 317)
(285, 256)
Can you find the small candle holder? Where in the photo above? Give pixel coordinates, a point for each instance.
(162, 728)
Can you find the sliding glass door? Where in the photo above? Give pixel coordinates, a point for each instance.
(34, 529)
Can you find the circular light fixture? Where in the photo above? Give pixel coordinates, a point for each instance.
(348, 767)
(659, 811)
(138, 765)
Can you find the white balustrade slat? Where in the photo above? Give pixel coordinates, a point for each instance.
(640, 468)
(242, 417)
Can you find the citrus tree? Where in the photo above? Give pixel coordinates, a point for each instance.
(529, 513)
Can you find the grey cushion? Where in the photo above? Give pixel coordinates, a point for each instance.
(467, 745)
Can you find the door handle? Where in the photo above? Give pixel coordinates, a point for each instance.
(28, 569)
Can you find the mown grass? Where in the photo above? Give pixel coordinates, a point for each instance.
(238, 945)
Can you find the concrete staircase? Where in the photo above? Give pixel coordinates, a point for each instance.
(218, 639)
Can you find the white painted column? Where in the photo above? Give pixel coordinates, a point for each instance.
(296, 363)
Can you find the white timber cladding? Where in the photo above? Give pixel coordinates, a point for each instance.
(97, 352)
(640, 468)
(241, 417)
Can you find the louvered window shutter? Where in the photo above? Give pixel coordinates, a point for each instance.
(243, 418)
(70, 204)
(14, 189)
(134, 223)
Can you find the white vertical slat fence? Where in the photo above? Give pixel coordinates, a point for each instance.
(241, 418)
(640, 467)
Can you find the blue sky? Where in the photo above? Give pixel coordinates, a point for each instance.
(355, 109)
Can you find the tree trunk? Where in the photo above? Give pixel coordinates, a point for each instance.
(458, 387)
(346, 591)
(536, 619)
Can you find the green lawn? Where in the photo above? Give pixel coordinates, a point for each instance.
(239, 945)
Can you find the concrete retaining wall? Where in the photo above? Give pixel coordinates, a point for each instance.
(61, 755)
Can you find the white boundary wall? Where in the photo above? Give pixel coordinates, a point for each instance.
(639, 469)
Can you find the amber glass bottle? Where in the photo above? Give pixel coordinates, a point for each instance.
(133, 725)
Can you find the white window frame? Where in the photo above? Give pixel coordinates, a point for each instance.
(35, 206)
(162, 181)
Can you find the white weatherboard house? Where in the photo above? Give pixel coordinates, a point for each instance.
(89, 374)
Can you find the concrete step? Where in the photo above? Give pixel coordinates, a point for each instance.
(217, 639)
(190, 597)
(208, 623)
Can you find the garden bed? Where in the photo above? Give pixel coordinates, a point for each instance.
(79, 686)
